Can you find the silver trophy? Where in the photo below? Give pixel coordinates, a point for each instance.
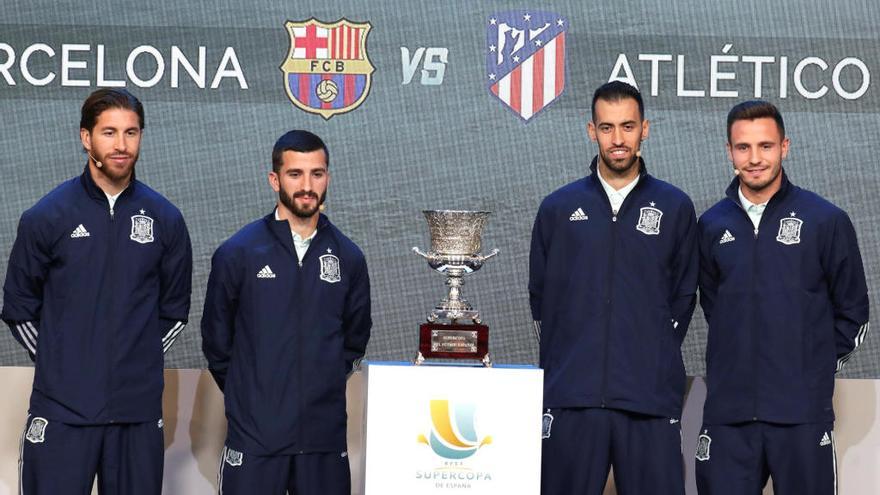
(455, 252)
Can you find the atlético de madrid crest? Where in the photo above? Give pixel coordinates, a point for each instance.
(525, 59)
(326, 70)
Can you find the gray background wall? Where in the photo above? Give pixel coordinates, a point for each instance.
(410, 147)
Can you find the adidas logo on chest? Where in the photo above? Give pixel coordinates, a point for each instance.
(266, 272)
(578, 215)
(727, 237)
(79, 232)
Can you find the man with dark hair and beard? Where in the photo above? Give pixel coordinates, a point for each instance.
(612, 286)
(286, 319)
(784, 293)
(97, 289)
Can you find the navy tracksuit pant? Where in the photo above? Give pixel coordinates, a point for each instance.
(738, 459)
(301, 474)
(580, 445)
(58, 458)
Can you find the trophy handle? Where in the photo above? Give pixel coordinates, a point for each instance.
(421, 253)
(491, 254)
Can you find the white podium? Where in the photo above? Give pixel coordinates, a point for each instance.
(438, 429)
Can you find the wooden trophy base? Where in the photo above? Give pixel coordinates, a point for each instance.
(454, 341)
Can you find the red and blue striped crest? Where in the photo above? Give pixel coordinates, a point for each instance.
(327, 71)
(525, 60)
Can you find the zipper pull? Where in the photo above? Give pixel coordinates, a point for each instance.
(111, 213)
(300, 263)
(756, 233)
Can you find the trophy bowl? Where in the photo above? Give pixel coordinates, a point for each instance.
(456, 232)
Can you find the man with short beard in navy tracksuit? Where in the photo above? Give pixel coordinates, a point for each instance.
(613, 276)
(783, 290)
(286, 318)
(97, 289)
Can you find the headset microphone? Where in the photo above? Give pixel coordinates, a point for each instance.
(97, 163)
(736, 171)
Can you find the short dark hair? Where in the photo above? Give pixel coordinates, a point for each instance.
(755, 109)
(104, 99)
(616, 91)
(300, 141)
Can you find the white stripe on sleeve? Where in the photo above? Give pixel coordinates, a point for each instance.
(860, 337)
(169, 339)
(25, 338)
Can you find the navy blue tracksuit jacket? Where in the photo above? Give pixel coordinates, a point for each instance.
(281, 336)
(96, 295)
(786, 306)
(613, 295)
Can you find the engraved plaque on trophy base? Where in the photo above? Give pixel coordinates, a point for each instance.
(454, 341)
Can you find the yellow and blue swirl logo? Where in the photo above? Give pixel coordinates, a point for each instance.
(453, 435)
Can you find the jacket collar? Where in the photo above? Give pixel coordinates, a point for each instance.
(643, 171)
(96, 192)
(281, 229)
(785, 188)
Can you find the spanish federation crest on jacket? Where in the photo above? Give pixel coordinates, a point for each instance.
(296, 330)
(96, 295)
(786, 306)
(614, 295)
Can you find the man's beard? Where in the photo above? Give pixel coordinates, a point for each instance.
(289, 201)
(113, 173)
(617, 165)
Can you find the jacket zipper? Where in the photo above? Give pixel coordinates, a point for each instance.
(111, 272)
(609, 303)
(753, 319)
(299, 349)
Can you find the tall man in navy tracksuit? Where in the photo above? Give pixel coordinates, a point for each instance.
(287, 316)
(98, 287)
(784, 293)
(613, 276)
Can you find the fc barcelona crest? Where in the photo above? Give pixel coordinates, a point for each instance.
(525, 60)
(330, 271)
(649, 220)
(141, 229)
(326, 70)
(790, 230)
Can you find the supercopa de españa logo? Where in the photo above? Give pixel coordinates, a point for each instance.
(326, 70)
(453, 437)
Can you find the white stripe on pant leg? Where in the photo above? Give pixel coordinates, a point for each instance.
(834, 460)
(220, 471)
(21, 457)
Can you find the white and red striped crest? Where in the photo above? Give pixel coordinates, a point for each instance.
(327, 71)
(525, 60)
